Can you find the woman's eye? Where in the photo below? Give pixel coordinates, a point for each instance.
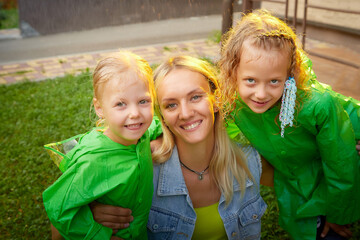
(196, 97)
(170, 106)
(274, 81)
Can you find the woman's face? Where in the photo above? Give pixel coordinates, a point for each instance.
(185, 103)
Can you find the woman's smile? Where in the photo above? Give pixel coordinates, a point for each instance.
(191, 126)
(186, 107)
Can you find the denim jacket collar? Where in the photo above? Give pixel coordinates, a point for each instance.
(171, 180)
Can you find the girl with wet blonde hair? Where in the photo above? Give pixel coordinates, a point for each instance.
(296, 123)
(111, 164)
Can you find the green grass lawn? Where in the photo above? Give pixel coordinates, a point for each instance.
(33, 114)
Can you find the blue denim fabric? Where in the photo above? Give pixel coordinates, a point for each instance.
(172, 215)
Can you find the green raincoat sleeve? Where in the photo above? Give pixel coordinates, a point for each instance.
(350, 105)
(109, 173)
(335, 139)
(66, 201)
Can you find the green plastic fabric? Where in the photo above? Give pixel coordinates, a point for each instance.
(316, 165)
(350, 105)
(99, 169)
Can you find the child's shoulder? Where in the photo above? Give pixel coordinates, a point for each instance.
(95, 142)
(318, 96)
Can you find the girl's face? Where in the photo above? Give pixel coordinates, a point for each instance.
(261, 77)
(185, 104)
(127, 108)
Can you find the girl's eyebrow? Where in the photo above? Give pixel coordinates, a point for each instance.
(246, 76)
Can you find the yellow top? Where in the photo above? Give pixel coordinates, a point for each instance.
(209, 224)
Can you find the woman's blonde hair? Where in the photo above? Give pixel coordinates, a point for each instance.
(264, 31)
(228, 160)
(121, 65)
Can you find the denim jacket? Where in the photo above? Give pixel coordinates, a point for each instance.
(172, 215)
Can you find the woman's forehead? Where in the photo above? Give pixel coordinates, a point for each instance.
(182, 82)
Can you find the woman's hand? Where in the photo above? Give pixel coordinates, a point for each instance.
(110, 216)
(156, 144)
(342, 230)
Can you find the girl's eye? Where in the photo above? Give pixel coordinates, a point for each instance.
(274, 81)
(144, 101)
(120, 104)
(250, 80)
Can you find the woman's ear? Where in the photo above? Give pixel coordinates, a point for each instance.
(215, 107)
(98, 108)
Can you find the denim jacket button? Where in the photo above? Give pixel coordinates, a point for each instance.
(155, 226)
(233, 234)
(254, 216)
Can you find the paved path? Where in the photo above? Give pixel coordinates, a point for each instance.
(343, 78)
(40, 69)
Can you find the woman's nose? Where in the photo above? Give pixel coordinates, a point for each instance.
(186, 111)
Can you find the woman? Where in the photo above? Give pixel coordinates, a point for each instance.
(205, 186)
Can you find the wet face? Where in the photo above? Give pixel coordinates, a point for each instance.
(261, 77)
(185, 103)
(127, 109)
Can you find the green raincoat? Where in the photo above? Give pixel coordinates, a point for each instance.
(316, 166)
(99, 169)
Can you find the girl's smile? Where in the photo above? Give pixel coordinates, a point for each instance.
(127, 108)
(134, 126)
(261, 76)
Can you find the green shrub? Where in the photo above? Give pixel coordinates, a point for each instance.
(9, 18)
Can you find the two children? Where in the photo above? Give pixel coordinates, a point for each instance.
(298, 125)
(111, 165)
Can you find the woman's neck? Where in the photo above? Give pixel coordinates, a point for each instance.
(196, 156)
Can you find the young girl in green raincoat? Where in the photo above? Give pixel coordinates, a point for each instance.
(297, 124)
(111, 165)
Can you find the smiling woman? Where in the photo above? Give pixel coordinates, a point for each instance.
(187, 108)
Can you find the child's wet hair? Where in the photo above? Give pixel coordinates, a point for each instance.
(120, 65)
(261, 30)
